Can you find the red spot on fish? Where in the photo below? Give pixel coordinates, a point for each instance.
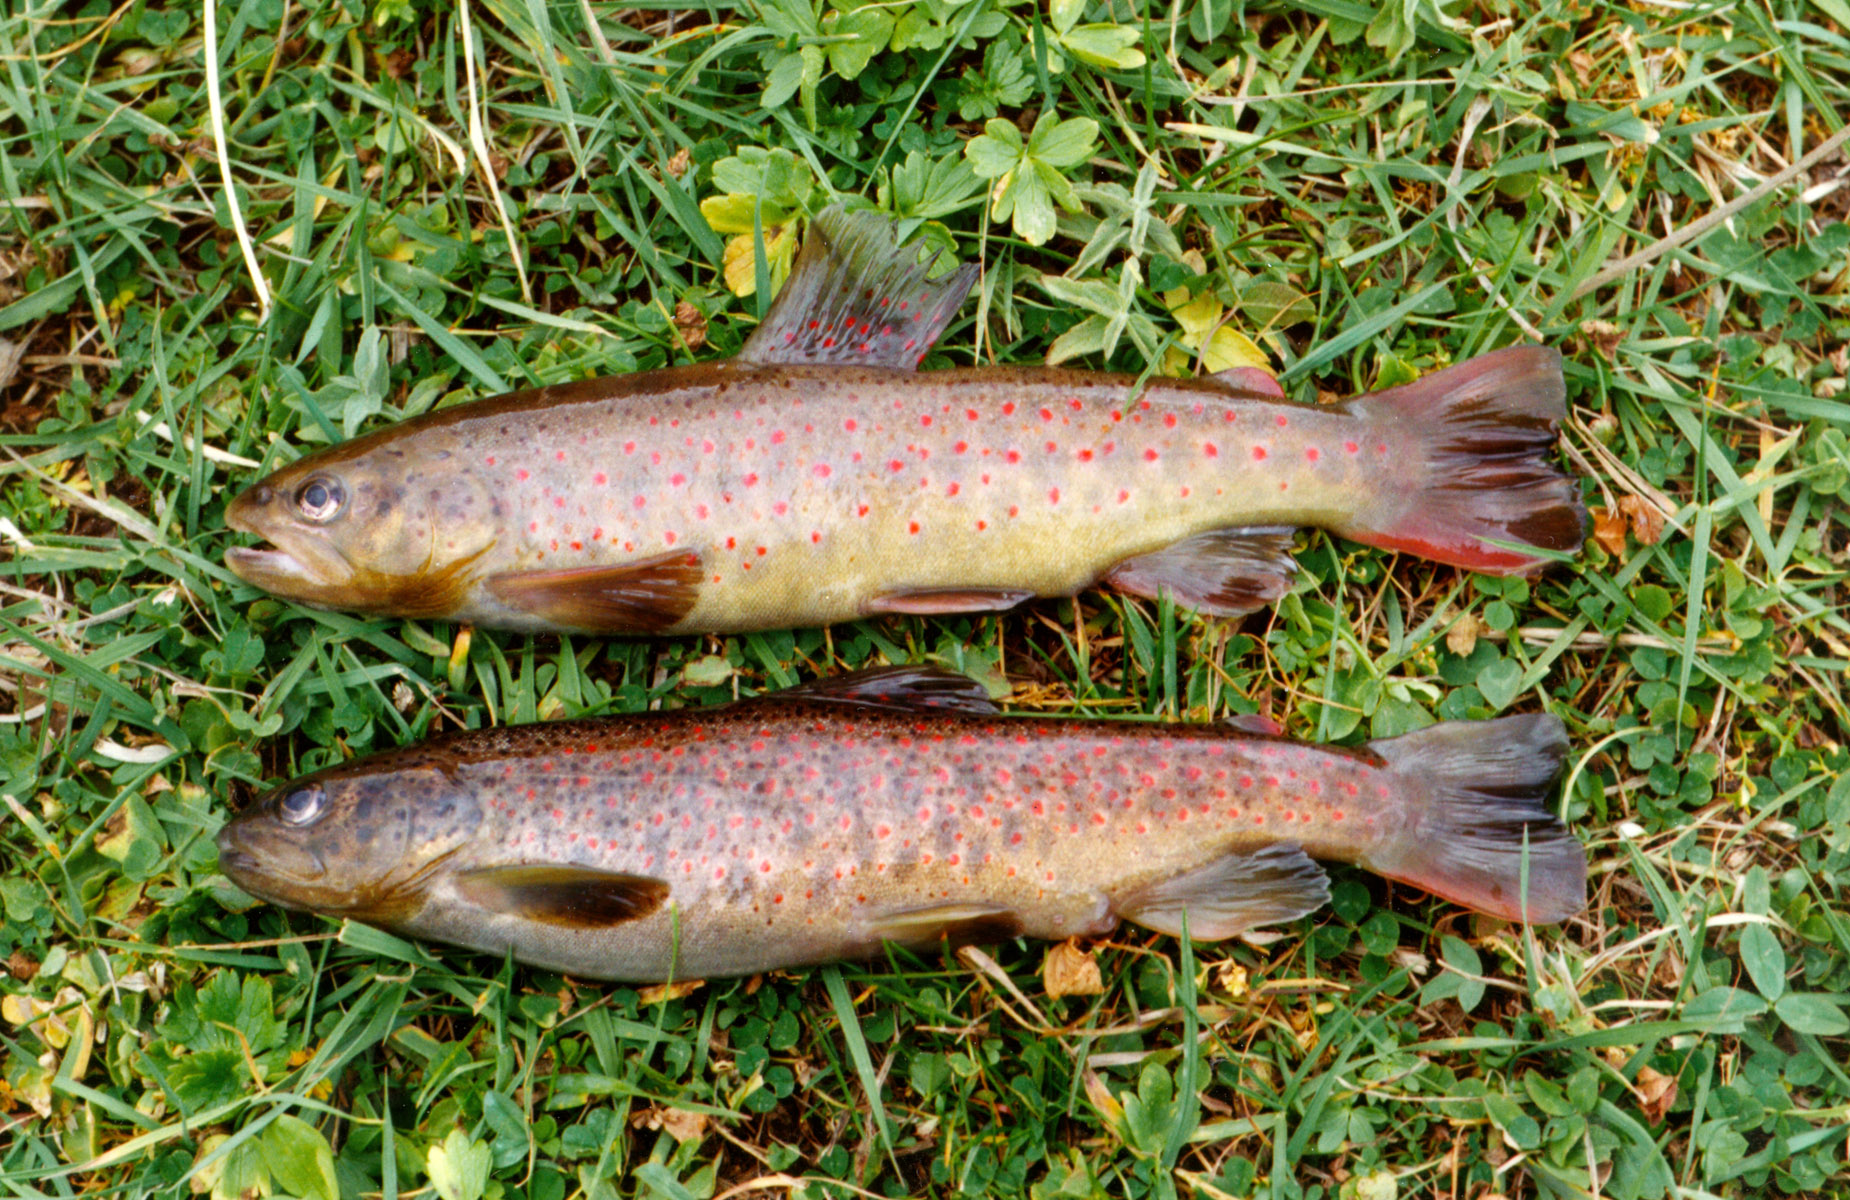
(1085, 456)
(1014, 510)
(848, 425)
(1123, 496)
(700, 511)
(640, 501)
(1282, 420)
(751, 479)
(1312, 453)
(981, 526)
(1013, 456)
(1169, 420)
(953, 489)
(668, 537)
(821, 470)
(861, 511)
(827, 342)
(491, 460)
(1258, 453)
(629, 447)
(1047, 414)
(521, 474)
(1230, 416)
(1008, 408)
(1381, 448)
(578, 545)
(1053, 496)
(677, 479)
(912, 527)
(1150, 456)
(1210, 450)
(1098, 818)
(895, 465)
(815, 537)
(761, 552)
(925, 419)
(558, 501)
(1052, 446)
(732, 543)
(780, 508)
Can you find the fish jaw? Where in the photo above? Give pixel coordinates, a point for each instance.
(281, 871)
(297, 564)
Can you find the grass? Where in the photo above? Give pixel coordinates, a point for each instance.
(1364, 190)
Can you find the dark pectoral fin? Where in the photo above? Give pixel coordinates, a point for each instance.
(577, 897)
(1231, 894)
(959, 924)
(645, 596)
(911, 687)
(854, 297)
(933, 602)
(1227, 572)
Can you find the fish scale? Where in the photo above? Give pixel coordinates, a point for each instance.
(815, 479)
(811, 827)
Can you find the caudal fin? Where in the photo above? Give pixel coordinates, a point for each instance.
(1487, 497)
(1479, 790)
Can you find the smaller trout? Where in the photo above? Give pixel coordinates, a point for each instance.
(891, 806)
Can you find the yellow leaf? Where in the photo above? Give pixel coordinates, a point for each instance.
(1229, 348)
(731, 213)
(742, 266)
(1198, 318)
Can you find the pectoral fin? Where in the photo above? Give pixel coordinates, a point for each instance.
(1230, 895)
(648, 595)
(575, 897)
(1227, 572)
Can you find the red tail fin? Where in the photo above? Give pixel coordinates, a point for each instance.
(1488, 497)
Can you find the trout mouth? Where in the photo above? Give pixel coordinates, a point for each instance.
(297, 564)
(280, 870)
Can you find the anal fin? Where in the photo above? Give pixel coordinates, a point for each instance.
(1226, 572)
(959, 924)
(1230, 895)
(933, 602)
(569, 896)
(646, 595)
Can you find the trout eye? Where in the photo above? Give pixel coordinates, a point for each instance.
(319, 499)
(302, 805)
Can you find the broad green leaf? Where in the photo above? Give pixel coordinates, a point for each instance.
(783, 81)
(869, 27)
(1061, 143)
(1764, 960)
(1063, 14)
(1101, 45)
(458, 1168)
(300, 1160)
(1809, 1012)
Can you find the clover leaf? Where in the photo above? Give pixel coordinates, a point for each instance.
(1029, 175)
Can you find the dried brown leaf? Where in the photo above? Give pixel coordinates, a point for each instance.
(1070, 971)
(1646, 522)
(1609, 531)
(1656, 1093)
(1462, 637)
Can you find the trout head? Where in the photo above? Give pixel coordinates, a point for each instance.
(367, 526)
(361, 840)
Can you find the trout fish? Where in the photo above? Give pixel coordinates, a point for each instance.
(819, 477)
(897, 806)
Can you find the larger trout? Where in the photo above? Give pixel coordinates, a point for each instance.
(892, 806)
(817, 477)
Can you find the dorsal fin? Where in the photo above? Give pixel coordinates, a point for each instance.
(908, 688)
(854, 297)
